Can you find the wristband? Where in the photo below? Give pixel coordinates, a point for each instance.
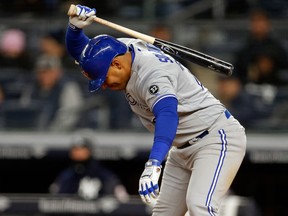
(73, 27)
(152, 162)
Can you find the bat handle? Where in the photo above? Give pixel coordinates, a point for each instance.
(125, 30)
(72, 10)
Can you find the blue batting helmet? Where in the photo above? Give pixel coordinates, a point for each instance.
(97, 56)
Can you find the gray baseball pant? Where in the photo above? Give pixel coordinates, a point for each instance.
(196, 178)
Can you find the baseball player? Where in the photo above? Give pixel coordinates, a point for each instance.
(203, 144)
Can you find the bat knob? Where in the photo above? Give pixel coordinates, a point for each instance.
(72, 10)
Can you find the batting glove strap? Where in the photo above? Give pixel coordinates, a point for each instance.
(84, 16)
(153, 162)
(148, 184)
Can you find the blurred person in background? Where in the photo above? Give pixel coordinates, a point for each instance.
(13, 52)
(86, 176)
(261, 67)
(161, 31)
(15, 66)
(120, 118)
(59, 98)
(53, 43)
(262, 59)
(231, 93)
(165, 32)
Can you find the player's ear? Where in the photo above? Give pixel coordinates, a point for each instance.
(116, 63)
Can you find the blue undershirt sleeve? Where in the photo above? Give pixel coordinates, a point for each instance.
(165, 112)
(75, 40)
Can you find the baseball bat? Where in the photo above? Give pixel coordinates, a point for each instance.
(173, 49)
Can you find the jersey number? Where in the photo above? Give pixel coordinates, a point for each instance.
(163, 58)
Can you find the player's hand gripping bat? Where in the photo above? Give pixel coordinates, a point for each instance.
(183, 52)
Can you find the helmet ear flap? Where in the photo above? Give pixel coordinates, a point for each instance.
(97, 57)
(94, 85)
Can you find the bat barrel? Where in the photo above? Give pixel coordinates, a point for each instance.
(196, 57)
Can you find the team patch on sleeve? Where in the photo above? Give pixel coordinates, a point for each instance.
(153, 89)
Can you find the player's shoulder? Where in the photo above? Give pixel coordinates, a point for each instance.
(133, 41)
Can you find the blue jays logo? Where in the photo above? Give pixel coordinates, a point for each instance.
(131, 100)
(153, 89)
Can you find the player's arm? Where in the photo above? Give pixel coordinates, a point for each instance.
(75, 38)
(166, 116)
(165, 112)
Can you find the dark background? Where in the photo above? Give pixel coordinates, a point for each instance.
(266, 183)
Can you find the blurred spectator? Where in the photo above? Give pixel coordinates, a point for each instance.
(53, 44)
(120, 115)
(164, 32)
(86, 176)
(15, 62)
(231, 93)
(262, 59)
(59, 98)
(254, 109)
(261, 66)
(13, 53)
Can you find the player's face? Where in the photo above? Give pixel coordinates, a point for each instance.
(118, 74)
(116, 79)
